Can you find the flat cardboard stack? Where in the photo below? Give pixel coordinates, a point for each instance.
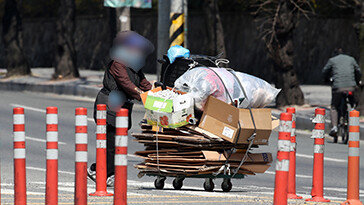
(206, 148)
(184, 151)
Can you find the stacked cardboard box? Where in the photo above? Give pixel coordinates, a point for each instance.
(220, 140)
(184, 151)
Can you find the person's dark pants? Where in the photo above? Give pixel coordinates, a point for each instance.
(110, 149)
(110, 146)
(337, 95)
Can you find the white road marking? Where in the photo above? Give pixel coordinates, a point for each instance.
(44, 170)
(39, 110)
(29, 108)
(297, 175)
(69, 187)
(337, 189)
(41, 140)
(305, 196)
(325, 158)
(11, 192)
(198, 191)
(60, 171)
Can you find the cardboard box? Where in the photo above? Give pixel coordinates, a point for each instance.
(170, 113)
(222, 119)
(169, 119)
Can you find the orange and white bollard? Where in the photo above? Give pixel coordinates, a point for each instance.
(52, 156)
(81, 157)
(20, 190)
(121, 151)
(353, 160)
(318, 134)
(282, 164)
(292, 158)
(101, 169)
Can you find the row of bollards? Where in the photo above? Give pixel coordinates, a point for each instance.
(285, 179)
(80, 197)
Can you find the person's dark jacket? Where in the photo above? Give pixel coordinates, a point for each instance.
(344, 71)
(120, 78)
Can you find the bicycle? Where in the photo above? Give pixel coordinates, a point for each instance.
(346, 105)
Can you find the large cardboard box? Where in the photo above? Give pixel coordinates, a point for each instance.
(170, 113)
(222, 119)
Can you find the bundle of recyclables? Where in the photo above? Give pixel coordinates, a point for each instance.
(226, 85)
(220, 142)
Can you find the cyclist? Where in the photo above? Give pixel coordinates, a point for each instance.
(344, 73)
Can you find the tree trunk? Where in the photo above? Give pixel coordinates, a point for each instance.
(65, 57)
(282, 53)
(15, 60)
(215, 31)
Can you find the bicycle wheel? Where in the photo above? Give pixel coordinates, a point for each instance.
(345, 137)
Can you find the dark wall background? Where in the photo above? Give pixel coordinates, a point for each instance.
(314, 42)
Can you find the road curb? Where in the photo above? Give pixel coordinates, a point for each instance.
(61, 89)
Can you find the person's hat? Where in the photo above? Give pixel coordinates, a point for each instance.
(133, 39)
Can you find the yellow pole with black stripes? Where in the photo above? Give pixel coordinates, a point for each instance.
(177, 18)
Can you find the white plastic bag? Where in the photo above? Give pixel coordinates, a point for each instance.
(222, 84)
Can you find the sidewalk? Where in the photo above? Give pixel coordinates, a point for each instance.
(91, 82)
(88, 85)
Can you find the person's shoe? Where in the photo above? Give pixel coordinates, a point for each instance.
(91, 172)
(333, 131)
(110, 181)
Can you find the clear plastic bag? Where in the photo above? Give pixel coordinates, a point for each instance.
(221, 83)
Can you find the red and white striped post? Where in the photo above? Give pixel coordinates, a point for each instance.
(20, 190)
(81, 157)
(292, 158)
(353, 160)
(52, 156)
(318, 134)
(101, 169)
(282, 163)
(121, 151)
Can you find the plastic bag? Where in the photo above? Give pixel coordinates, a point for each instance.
(221, 83)
(177, 51)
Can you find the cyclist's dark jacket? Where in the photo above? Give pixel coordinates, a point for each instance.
(343, 69)
(123, 79)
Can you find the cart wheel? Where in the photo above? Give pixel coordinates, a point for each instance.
(159, 182)
(178, 183)
(208, 185)
(226, 185)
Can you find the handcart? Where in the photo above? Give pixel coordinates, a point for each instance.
(208, 185)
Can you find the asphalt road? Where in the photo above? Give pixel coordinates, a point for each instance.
(251, 190)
